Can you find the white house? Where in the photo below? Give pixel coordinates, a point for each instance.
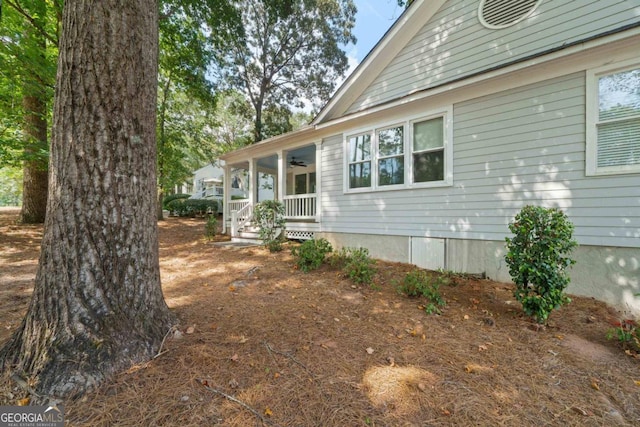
(208, 183)
(466, 111)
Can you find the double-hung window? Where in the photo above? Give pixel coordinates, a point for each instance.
(360, 161)
(428, 150)
(613, 120)
(391, 155)
(406, 154)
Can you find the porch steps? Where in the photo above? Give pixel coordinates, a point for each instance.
(246, 240)
(250, 233)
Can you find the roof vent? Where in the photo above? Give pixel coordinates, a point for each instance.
(497, 14)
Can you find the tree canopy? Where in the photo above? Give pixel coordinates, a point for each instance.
(286, 55)
(29, 49)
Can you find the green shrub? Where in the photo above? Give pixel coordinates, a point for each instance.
(310, 254)
(177, 207)
(359, 266)
(200, 207)
(269, 215)
(538, 260)
(338, 259)
(418, 283)
(192, 207)
(171, 197)
(211, 227)
(627, 333)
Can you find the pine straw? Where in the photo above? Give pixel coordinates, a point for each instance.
(272, 346)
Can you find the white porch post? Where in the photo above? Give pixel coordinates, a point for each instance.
(226, 197)
(318, 182)
(282, 175)
(253, 181)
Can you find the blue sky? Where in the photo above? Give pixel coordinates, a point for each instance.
(373, 19)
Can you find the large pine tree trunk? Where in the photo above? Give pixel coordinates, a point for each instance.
(97, 306)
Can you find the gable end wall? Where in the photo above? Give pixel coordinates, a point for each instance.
(453, 44)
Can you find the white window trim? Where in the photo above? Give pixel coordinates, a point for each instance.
(446, 113)
(592, 114)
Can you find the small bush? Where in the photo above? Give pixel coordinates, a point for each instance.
(338, 259)
(359, 266)
(310, 254)
(269, 216)
(177, 207)
(538, 261)
(417, 283)
(172, 197)
(192, 207)
(627, 332)
(200, 207)
(211, 227)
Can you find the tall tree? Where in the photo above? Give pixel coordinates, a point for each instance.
(97, 305)
(190, 32)
(29, 32)
(287, 53)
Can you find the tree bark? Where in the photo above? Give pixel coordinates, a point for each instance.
(97, 306)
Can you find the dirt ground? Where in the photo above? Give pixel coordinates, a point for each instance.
(262, 343)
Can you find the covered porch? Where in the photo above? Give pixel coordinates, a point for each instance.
(291, 176)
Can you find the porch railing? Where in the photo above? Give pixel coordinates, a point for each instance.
(302, 206)
(241, 212)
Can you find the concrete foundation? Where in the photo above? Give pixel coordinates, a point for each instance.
(608, 274)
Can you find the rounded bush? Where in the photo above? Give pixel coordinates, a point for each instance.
(538, 259)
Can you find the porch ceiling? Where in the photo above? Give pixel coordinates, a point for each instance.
(306, 154)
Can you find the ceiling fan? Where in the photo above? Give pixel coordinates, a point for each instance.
(295, 162)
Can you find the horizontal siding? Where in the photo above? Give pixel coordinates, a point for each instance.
(453, 44)
(518, 147)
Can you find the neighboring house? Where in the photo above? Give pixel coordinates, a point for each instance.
(463, 113)
(208, 183)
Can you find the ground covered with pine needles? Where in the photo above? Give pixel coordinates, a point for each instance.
(260, 343)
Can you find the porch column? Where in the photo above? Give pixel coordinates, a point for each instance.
(318, 182)
(282, 176)
(253, 181)
(226, 196)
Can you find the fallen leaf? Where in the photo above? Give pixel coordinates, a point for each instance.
(466, 317)
(191, 329)
(446, 412)
(243, 339)
(24, 402)
(268, 412)
(579, 411)
(637, 382)
(276, 375)
(232, 288)
(370, 350)
(472, 368)
(234, 358)
(594, 384)
(482, 348)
